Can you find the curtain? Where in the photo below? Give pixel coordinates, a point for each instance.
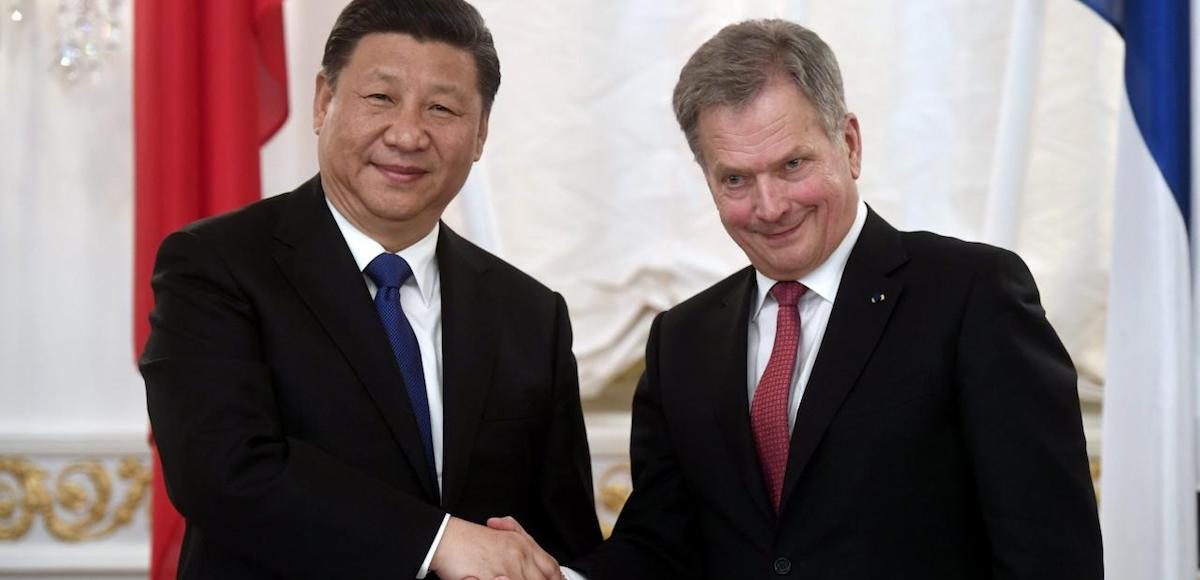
(989, 121)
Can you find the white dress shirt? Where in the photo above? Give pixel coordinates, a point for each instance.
(421, 299)
(814, 308)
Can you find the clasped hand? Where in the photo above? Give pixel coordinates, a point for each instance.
(500, 551)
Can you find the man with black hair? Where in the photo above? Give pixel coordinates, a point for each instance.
(342, 387)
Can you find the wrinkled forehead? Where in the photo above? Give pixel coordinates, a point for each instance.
(778, 119)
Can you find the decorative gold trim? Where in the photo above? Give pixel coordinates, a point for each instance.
(615, 487)
(82, 492)
(612, 493)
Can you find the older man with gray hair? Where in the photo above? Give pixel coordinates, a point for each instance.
(860, 402)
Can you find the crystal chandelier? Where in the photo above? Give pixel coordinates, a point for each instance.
(87, 32)
(16, 11)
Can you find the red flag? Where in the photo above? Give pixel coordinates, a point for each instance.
(210, 87)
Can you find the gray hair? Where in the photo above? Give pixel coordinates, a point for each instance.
(732, 68)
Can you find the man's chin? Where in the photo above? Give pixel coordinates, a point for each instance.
(385, 207)
(785, 269)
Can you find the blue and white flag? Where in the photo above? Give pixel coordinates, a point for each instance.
(1148, 468)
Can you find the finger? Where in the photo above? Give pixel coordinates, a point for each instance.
(506, 524)
(547, 565)
(539, 560)
(531, 571)
(515, 524)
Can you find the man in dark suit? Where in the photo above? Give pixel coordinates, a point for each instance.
(342, 387)
(861, 403)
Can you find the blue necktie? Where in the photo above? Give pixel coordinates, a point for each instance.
(389, 272)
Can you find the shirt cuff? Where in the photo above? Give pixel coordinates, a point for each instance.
(424, 571)
(570, 574)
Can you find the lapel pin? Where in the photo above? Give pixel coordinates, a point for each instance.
(876, 299)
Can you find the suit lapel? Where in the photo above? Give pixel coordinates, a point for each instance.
(314, 257)
(860, 313)
(726, 378)
(468, 352)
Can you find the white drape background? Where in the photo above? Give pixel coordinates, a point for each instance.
(66, 237)
(982, 119)
(991, 121)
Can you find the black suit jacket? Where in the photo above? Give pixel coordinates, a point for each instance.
(939, 435)
(286, 437)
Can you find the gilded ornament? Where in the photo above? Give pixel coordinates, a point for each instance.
(613, 492)
(79, 507)
(615, 487)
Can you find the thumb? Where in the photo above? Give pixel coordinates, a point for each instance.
(506, 523)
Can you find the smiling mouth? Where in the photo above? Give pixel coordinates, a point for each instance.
(787, 232)
(782, 235)
(400, 173)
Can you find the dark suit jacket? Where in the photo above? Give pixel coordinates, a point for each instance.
(286, 436)
(939, 435)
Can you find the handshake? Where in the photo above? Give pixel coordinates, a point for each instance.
(500, 551)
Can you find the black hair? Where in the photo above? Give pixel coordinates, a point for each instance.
(453, 22)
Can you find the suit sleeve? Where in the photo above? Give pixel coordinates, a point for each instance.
(567, 527)
(280, 503)
(655, 536)
(1021, 420)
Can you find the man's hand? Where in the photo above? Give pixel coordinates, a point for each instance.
(469, 550)
(507, 524)
(510, 524)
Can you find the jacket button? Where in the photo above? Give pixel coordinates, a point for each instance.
(783, 566)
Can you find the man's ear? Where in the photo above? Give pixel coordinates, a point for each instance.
(322, 97)
(481, 135)
(852, 137)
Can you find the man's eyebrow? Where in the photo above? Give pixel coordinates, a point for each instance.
(382, 75)
(798, 152)
(436, 87)
(444, 88)
(725, 168)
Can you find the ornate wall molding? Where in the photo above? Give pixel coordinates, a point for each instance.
(75, 505)
(612, 491)
(608, 439)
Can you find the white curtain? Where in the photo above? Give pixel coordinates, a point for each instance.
(984, 120)
(990, 121)
(66, 240)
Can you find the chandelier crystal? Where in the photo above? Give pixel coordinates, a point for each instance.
(88, 32)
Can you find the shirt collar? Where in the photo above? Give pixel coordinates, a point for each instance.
(420, 256)
(824, 280)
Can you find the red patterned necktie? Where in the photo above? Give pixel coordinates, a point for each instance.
(769, 411)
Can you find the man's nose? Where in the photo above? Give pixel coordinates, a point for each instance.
(769, 204)
(407, 131)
